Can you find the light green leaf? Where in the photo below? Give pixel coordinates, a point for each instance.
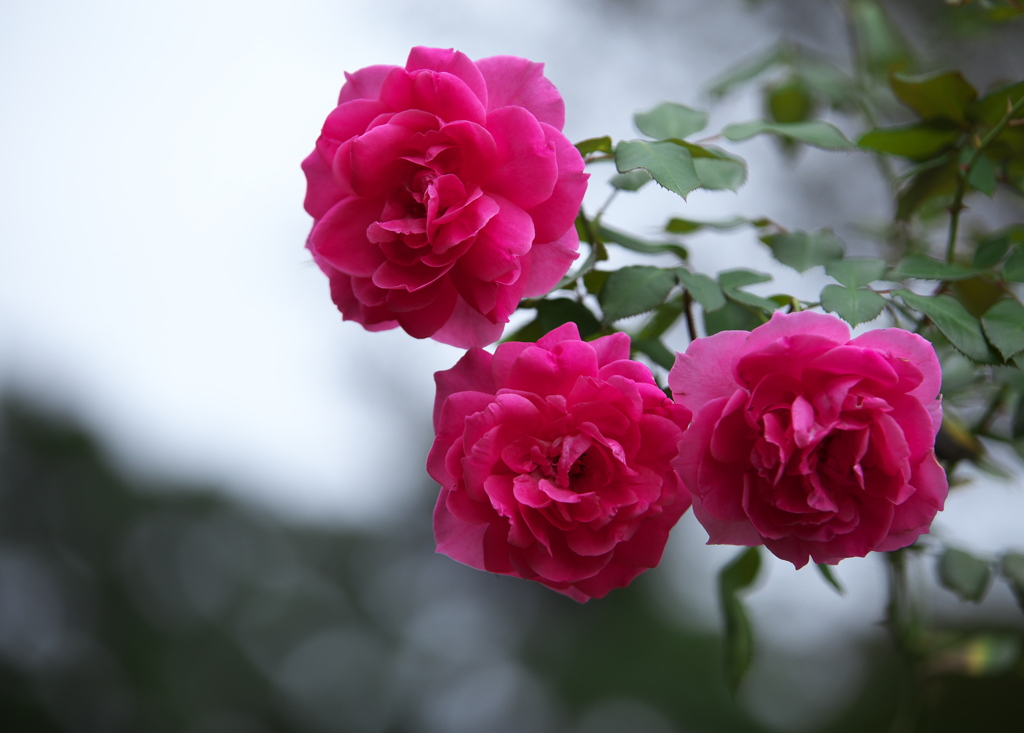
(634, 290)
(918, 142)
(632, 181)
(920, 267)
(854, 272)
(944, 95)
(818, 133)
(703, 289)
(853, 305)
(1004, 326)
(964, 574)
(739, 637)
(669, 164)
(670, 120)
(732, 280)
(803, 250)
(1012, 569)
(745, 71)
(961, 328)
(595, 145)
(721, 173)
(880, 46)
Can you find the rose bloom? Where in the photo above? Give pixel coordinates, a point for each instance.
(554, 461)
(809, 442)
(442, 193)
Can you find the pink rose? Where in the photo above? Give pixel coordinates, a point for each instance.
(443, 193)
(808, 442)
(554, 461)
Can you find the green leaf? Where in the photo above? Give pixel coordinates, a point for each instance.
(720, 172)
(929, 183)
(1013, 269)
(732, 316)
(595, 145)
(853, 305)
(656, 351)
(670, 120)
(830, 578)
(739, 637)
(789, 101)
(703, 289)
(594, 280)
(854, 272)
(818, 133)
(918, 142)
(745, 71)
(982, 176)
(1012, 569)
(944, 95)
(634, 290)
(803, 250)
(669, 164)
(552, 313)
(991, 108)
(686, 226)
(665, 316)
(991, 250)
(964, 574)
(1004, 326)
(634, 244)
(732, 280)
(961, 328)
(632, 181)
(920, 267)
(880, 46)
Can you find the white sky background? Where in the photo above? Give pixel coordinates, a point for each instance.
(152, 271)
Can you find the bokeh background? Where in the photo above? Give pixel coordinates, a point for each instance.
(213, 509)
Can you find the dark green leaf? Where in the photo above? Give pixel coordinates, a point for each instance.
(920, 267)
(656, 351)
(669, 164)
(732, 280)
(853, 305)
(632, 181)
(739, 637)
(855, 272)
(917, 142)
(991, 250)
(551, 314)
(731, 317)
(991, 108)
(634, 290)
(703, 289)
(685, 226)
(665, 316)
(932, 182)
(630, 242)
(830, 578)
(982, 176)
(670, 120)
(944, 95)
(803, 250)
(964, 574)
(961, 328)
(1013, 269)
(1004, 326)
(595, 145)
(1012, 569)
(818, 133)
(594, 280)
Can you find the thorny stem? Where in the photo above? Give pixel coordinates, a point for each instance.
(691, 328)
(961, 188)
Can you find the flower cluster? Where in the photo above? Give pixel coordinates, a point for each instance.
(443, 192)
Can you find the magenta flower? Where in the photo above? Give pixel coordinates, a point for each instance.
(443, 193)
(554, 461)
(808, 442)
